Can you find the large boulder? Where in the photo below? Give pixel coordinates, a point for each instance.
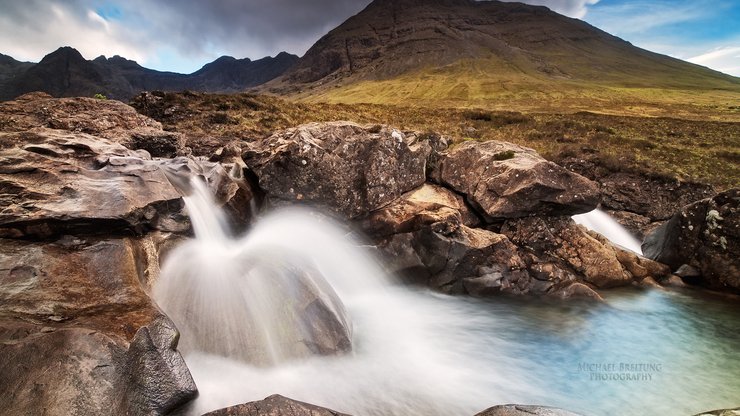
(524, 410)
(341, 166)
(53, 183)
(504, 180)
(80, 336)
(275, 405)
(704, 236)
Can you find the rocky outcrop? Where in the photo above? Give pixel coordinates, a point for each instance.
(75, 309)
(275, 405)
(640, 202)
(340, 166)
(722, 412)
(523, 410)
(83, 223)
(429, 237)
(54, 182)
(702, 242)
(502, 180)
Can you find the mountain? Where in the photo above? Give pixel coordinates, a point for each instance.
(65, 73)
(469, 52)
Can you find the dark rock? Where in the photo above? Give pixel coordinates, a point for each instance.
(76, 309)
(722, 412)
(502, 180)
(706, 236)
(590, 256)
(522, 410)
(341, 166)
(275, 405)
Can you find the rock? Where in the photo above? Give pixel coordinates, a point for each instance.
(342, 166)
(415, 209)
(522, 410)
(704, 235)
(673, 281)
(722, 412)
(648, 196)
(109, 119)
(54, 183)
(75, 308)
(503, 180)
(458, 259)
(638, 225)
(559, 240)
(275, 405)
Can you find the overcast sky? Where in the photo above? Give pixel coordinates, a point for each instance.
(182, 35)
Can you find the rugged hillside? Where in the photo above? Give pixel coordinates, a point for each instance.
(463, 51)
(65, 73)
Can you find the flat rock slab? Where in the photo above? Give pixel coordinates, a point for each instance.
(522, 410)
(275, 405)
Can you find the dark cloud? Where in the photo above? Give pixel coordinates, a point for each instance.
(180, 33)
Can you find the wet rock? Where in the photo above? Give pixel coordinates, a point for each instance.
(704, 235)
(275, 405)
(457, 259)
(75, 308)
(522, 410)
(502, 180)
(722, 412)
(53, 183)
(342, 166)
(590, 256)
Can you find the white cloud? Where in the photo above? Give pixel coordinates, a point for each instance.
(31, 33)
(572, 8)
(724, 59)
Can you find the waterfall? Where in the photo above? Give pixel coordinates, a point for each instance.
(601, 222)
(268, 297)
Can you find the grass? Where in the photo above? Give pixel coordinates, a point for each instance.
(705, 151)
(495, 85)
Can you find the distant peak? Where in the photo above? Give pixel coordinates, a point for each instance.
(65, 52)
(226, 58)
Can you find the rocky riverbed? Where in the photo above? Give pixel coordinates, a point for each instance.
(87, 216)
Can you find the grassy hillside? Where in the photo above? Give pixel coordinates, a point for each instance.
(694, 150)
(497, 85)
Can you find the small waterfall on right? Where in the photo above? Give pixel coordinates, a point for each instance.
(601, 222)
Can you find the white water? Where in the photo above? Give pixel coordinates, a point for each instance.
(419, 353)
(599, 221)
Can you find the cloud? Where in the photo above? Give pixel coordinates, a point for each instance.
(725, 59)
(643, 16)
(33, 28)
(572, 8)
(192, 30)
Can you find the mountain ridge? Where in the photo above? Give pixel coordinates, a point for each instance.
(65, 73)
(463, 52)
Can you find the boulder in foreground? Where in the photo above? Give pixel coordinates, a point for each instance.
(522, 410)
(275, 405)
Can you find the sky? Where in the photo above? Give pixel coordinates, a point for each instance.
(183, 35)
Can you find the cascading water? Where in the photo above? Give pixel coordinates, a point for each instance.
(263, 298)
(241, 306)
(601, 222)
